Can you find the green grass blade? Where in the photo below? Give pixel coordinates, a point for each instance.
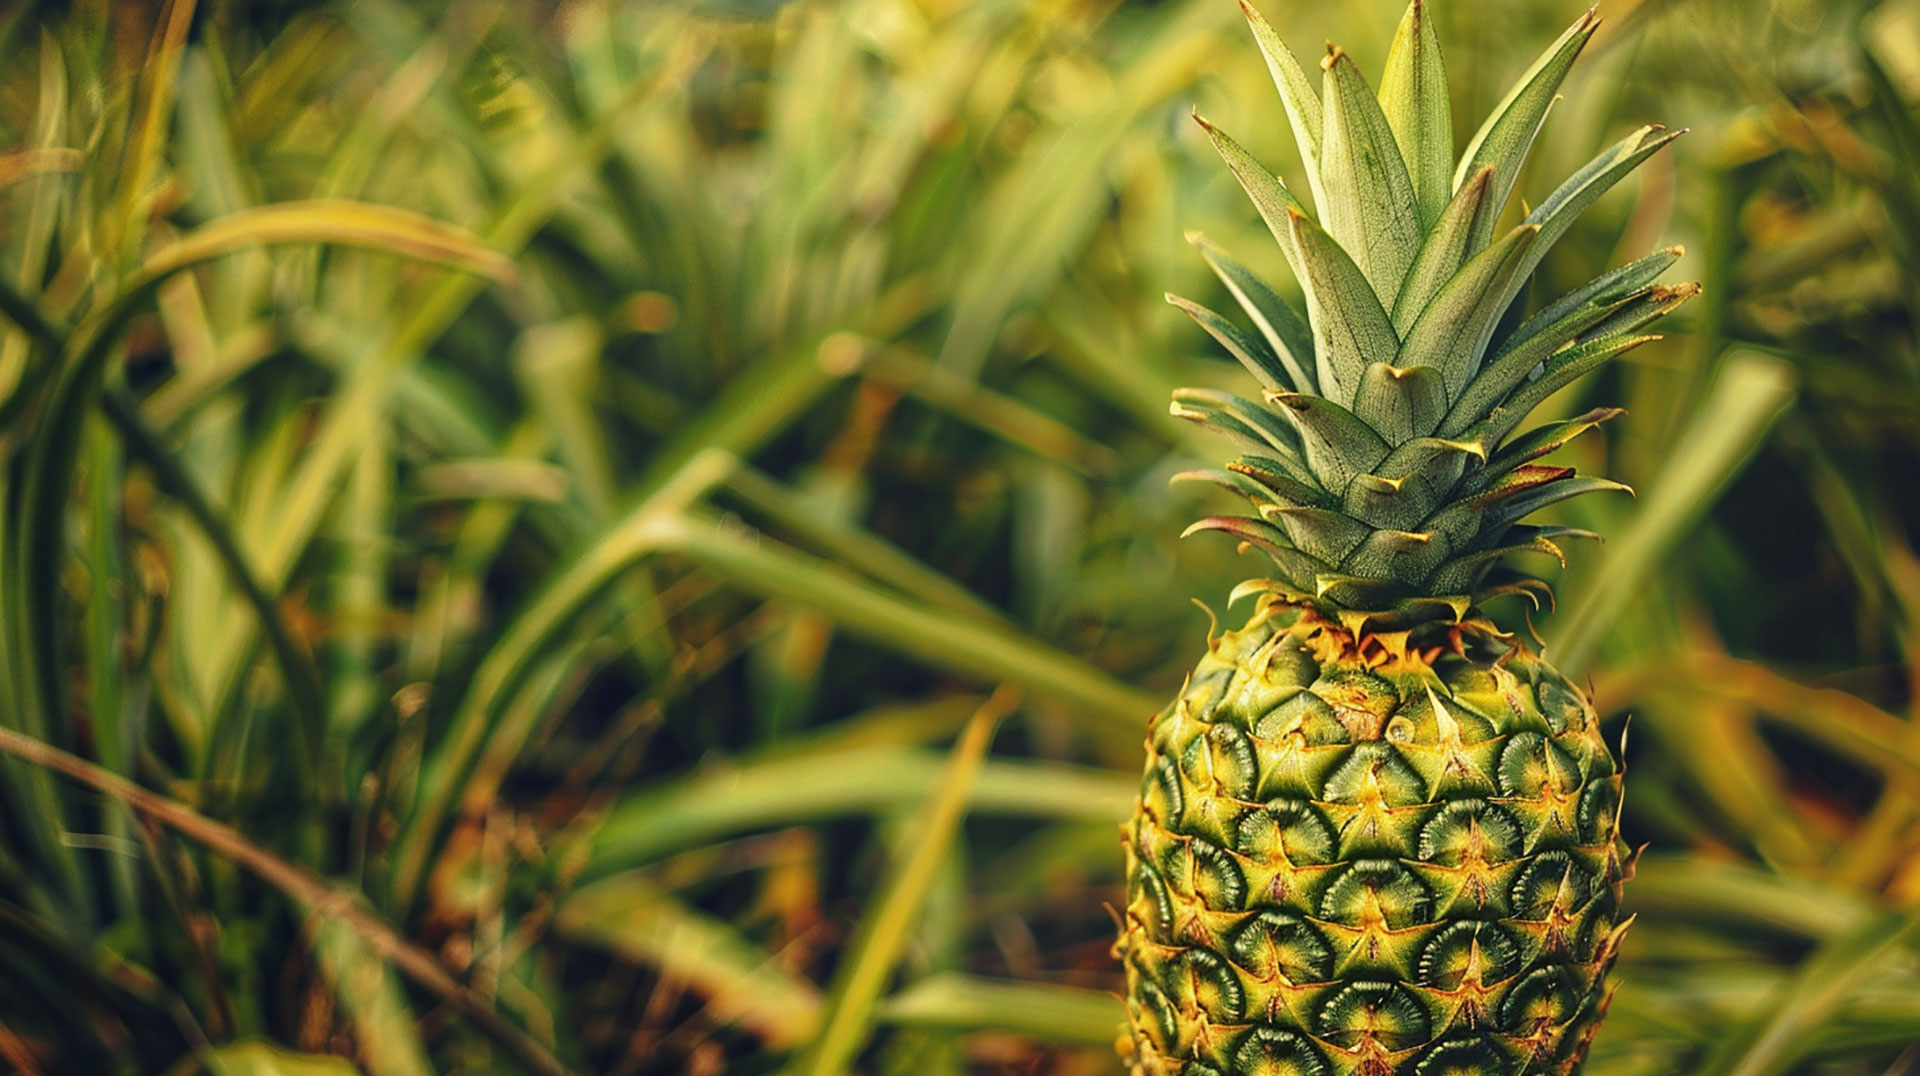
(305, 693)
(336, 222)
(884, 930)
(257, 1058)
(743, 984)
(1038, 216)
(989, 652)
(1005, 417)
(146, 144)
(813, 785)
(1052, 1014)
(109, 677)
(370, 995)
(1750, 393)
(501, 672)
(1784, 1031)
(364, 397)
(846, 543)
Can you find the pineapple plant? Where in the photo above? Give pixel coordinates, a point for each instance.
(1376, 836)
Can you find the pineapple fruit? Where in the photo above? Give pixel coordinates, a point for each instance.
(1376, 836)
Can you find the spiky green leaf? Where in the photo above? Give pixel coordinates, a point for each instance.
(1451, 334)
(1462, 573)
(1583, 188)
(1560, 371)
(1296, 94)
(1286, 332)
(1350, 328)
(1505, 138)
(1253, 353)
(1275, 432)
(1366, 197)
(1480, 520)
(1231, 481)
(1275, 203)
(1533, 445)
(1447, 247)
(1396, 554)
(1385, 502)
(1414, 98)
(1604, 290)
(1321, 533)
(1220, 422)
(1411, 482)
(1270, 539)
(1288, 481)
(1337, 444)
(1553, 346)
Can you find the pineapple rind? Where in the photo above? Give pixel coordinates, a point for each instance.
(1367, 858)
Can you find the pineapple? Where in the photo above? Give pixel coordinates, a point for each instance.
(1377, 836)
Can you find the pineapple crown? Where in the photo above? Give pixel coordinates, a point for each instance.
(1381, 460)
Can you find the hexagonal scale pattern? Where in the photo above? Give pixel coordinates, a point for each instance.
(1397, 856)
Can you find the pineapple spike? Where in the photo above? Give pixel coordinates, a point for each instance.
(1350, 327)
(1377, 835)
(1257, 355)
(1508, 133)
(1446, 249)
(1413, 97)
(1453, 331)
(1270, 197)
(1285, 331)
(1367, 200)
(1297, 96)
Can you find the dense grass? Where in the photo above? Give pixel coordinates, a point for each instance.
(634, 538)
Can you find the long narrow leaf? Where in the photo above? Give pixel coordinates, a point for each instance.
(743, 984)
(1750, 393)
(1504, 140)
(1285, 331)
(1053, 1014)
(1414, 98)
(1368, 204)
(883, 933)
(1350, 327)
(1451, 335)
(1303, 107)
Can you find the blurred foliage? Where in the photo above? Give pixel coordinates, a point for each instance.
(633, 537)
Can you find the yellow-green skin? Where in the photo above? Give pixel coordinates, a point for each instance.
(1392, 857)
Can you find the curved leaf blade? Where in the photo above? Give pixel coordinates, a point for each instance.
(1414, 99)
(1504, 140)
(1350, 327)
(1367, 204)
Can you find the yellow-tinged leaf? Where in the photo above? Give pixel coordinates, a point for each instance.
(1413, 96)
(15, 167)
(1367, 202)
(1050, 1013)
(743, 984)
(254, 1058)
(335, 221)
(883, 933)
